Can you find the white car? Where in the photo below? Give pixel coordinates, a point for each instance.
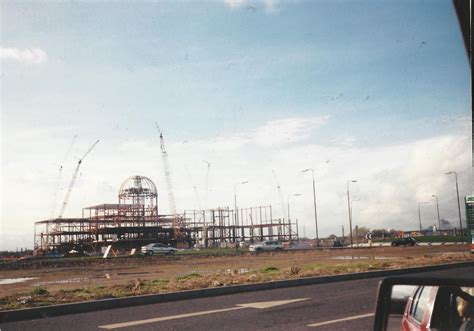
(267, 246)
(151, 249)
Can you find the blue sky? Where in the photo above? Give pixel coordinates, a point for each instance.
(244, 83)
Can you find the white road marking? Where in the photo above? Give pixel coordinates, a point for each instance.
(257, 305)
(269, 304)
(165, 318)
(342, 320)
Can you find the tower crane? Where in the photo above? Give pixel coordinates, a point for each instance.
(166, 166)
(73, 180)
(282, 201)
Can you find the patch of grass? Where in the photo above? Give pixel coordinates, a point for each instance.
(438, 239)
(38, 291)
(189, 276)
(294, 270)
(269, 269)
(159, 282)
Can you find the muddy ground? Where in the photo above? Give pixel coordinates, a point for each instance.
(94, 272)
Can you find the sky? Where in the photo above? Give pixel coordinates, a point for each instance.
(373, 91)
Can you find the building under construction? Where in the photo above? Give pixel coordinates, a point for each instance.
(135, 221)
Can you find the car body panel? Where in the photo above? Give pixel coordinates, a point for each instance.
(419, 308)
(407, 241)
(157, 248)
(267, 246)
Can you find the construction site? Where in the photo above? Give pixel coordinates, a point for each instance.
(135, 220)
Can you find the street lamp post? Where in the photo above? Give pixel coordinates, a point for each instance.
(459, 206)
(437, 210)
(236, 216)
(288, 207)
(314, 201)
(419, 212)
(352, 215)
(349, 208)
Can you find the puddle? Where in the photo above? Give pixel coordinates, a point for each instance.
(7, 281)
(117, 274)
(349, 257)
(65, 281)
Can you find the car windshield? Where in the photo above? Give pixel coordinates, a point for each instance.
(197, 131)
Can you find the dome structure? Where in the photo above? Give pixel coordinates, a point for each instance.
(138, 190)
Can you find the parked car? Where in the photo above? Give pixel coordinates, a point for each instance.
(408, 241)
(158, 248)
(267, 246)
(337, 243)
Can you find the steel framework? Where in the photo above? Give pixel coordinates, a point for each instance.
(135, 221)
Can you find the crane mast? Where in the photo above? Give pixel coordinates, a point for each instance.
(166, 166)
(73, 180)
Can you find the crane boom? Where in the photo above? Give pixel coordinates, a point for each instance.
(166, 167)
(90, 149)
(59, 178)
(73, 180)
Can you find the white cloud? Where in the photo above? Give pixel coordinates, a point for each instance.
(391, 179)
(25, 56)
(271, 6)
(235, 3)
(280, 132)
(275, 133)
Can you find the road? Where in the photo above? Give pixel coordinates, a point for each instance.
(335, 306)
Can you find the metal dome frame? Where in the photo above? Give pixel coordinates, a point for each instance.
(138, 190)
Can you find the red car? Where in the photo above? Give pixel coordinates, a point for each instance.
(433, 308)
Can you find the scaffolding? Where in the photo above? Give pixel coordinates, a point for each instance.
(135, 221)
(218, 227)
(124, 226)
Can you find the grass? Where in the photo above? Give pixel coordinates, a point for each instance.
(269, 269)
(425, 239)
(45, 262)
(188, 276)
(439, 239)
(38, 291)
(229, 251)
(40, 296)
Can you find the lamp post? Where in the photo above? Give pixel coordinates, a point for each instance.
(437, 210)
(288, 207)
(457, 195)
(419, 212)
(349, 207)
(352, 215)
(314, 202)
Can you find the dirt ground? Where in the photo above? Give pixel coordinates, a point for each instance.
(110, 272)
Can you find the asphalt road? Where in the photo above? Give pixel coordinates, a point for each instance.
(333, 304)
